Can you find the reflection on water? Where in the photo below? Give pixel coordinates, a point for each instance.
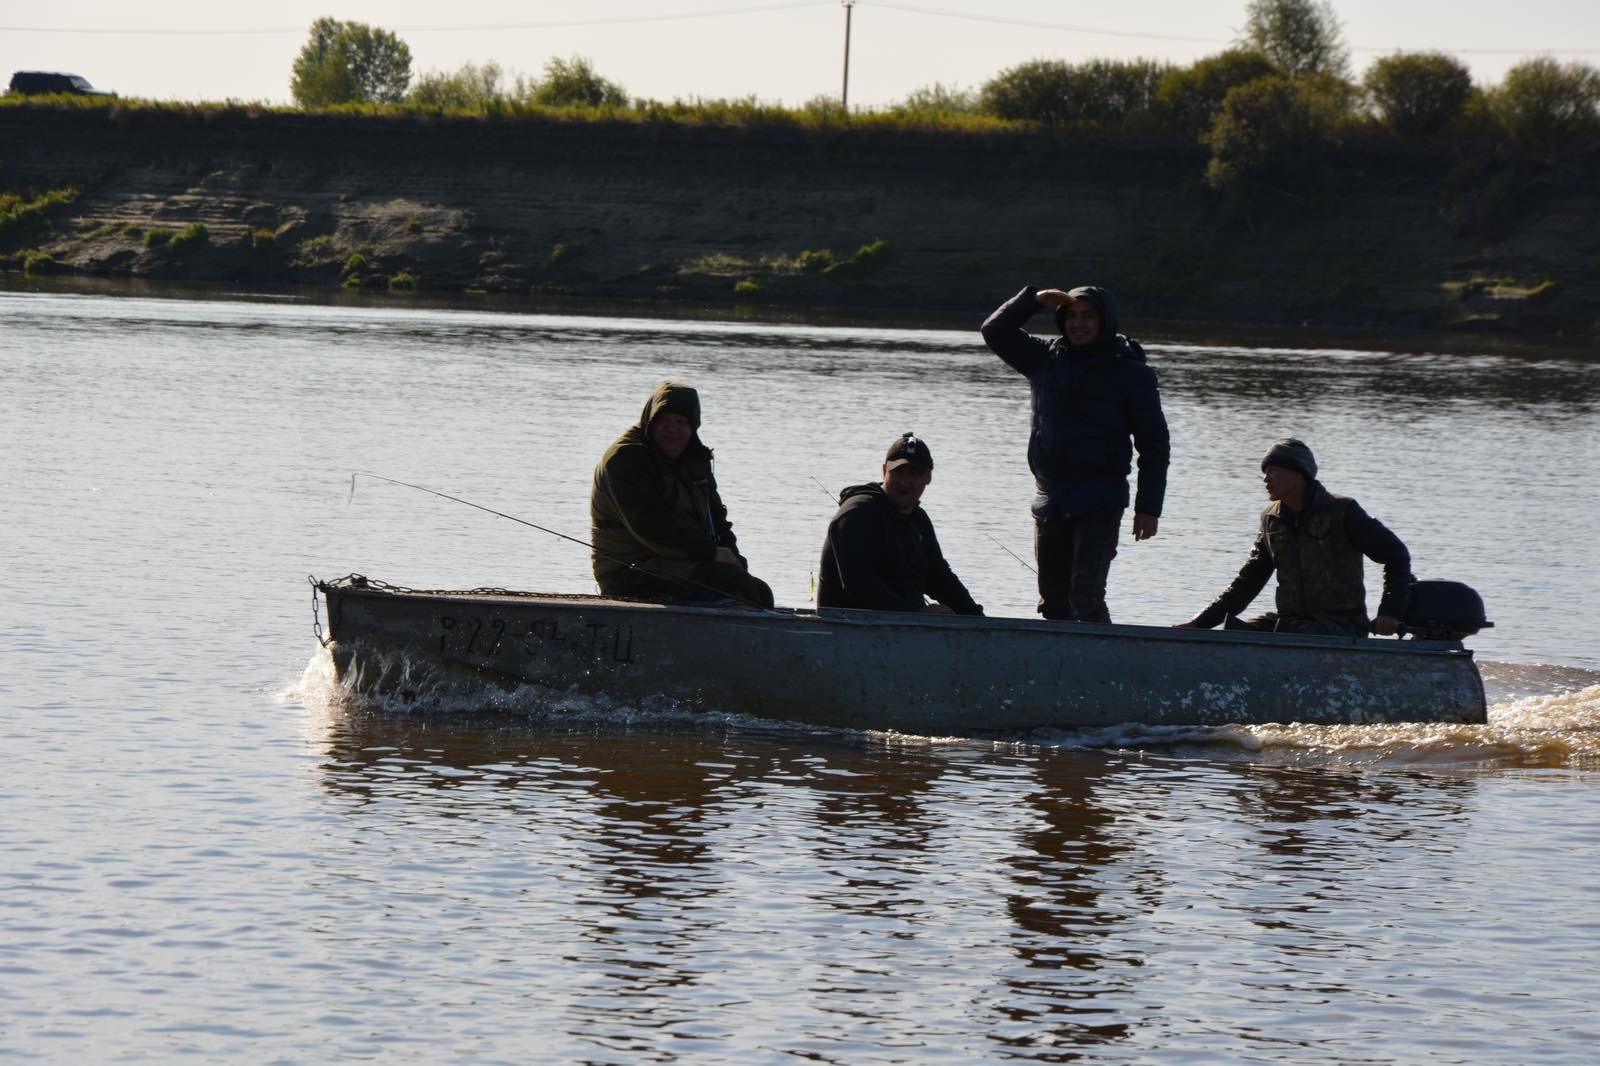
(863, 893)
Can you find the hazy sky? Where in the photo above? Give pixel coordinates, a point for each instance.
(776, 50)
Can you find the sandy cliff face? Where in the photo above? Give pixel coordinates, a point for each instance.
(623, 211)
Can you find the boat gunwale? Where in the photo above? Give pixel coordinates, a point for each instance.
(889, 620)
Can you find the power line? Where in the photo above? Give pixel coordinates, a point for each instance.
(1142, 35)
(680, 16)
(560, 24)
(1034, 25)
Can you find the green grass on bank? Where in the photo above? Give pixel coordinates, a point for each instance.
(743, 113)
(22, 216)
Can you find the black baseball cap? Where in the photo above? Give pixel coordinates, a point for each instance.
(908, 448)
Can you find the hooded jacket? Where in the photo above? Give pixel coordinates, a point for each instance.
(1317, 555)
(665, 516)
(1091, 406)
(877, 559)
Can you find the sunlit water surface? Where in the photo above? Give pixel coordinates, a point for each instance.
(210, 849)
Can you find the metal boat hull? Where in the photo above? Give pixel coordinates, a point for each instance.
(924, 674)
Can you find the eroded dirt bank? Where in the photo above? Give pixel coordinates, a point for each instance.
(1459, 239)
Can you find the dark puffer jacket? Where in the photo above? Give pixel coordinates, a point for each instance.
(665, 516)
(877, 559)
(1317, 555)
(1091, 406)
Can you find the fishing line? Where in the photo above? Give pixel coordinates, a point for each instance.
(1011, 553)
(721, 593)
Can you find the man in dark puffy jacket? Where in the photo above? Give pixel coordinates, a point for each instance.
(1315, 542)
(657, 523)
(880, 553)
(1094, 400)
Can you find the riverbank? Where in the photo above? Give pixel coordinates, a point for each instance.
(1462, 242)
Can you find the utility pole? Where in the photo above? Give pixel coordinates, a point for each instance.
(844, 95)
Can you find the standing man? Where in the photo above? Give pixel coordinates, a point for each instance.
(880, 553)
(1094, 400)
(657, 523)
(1314, 541)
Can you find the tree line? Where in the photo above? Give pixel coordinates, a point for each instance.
(1283, 91)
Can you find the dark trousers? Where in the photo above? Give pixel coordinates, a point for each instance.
(709, 582)
(1074, 558)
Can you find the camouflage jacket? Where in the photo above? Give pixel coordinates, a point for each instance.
(1318, 556)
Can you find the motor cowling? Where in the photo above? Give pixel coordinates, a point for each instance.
(1444, 610)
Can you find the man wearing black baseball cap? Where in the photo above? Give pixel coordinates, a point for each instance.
(1315, 542)
(881, 553)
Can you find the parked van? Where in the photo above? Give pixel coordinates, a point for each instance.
(39, 82)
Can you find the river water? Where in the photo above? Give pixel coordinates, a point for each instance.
(209, 849)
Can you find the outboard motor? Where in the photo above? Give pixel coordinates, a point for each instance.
(1444, 610)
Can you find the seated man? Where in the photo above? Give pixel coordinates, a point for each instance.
(880, 553)
(1315, 542)
(658, 528)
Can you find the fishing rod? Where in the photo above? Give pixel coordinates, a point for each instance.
(721, 593)
(824, 488)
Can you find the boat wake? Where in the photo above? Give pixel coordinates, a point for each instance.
(1539, 717)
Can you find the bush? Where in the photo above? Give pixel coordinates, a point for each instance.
(36, 262)
(813, 260)
(868, 257)
(1542, 291)
(1542, 101)
(1274, 128)
(20, 217)
(413, 225)
(473, 89)
(1101, 93)
(318, 251)
(560, 253)
(872, 253)
(262, 240)
(1190, 98)
(355, 263)
(158, 236)
(404, 281)
(1418, 94)
(193, 236)
(574, 83)
(749, 286)
(824, 109)
(937, 99)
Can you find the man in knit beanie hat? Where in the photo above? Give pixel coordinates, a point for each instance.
(1315, 542)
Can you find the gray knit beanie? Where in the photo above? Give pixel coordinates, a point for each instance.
(1293, 454)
